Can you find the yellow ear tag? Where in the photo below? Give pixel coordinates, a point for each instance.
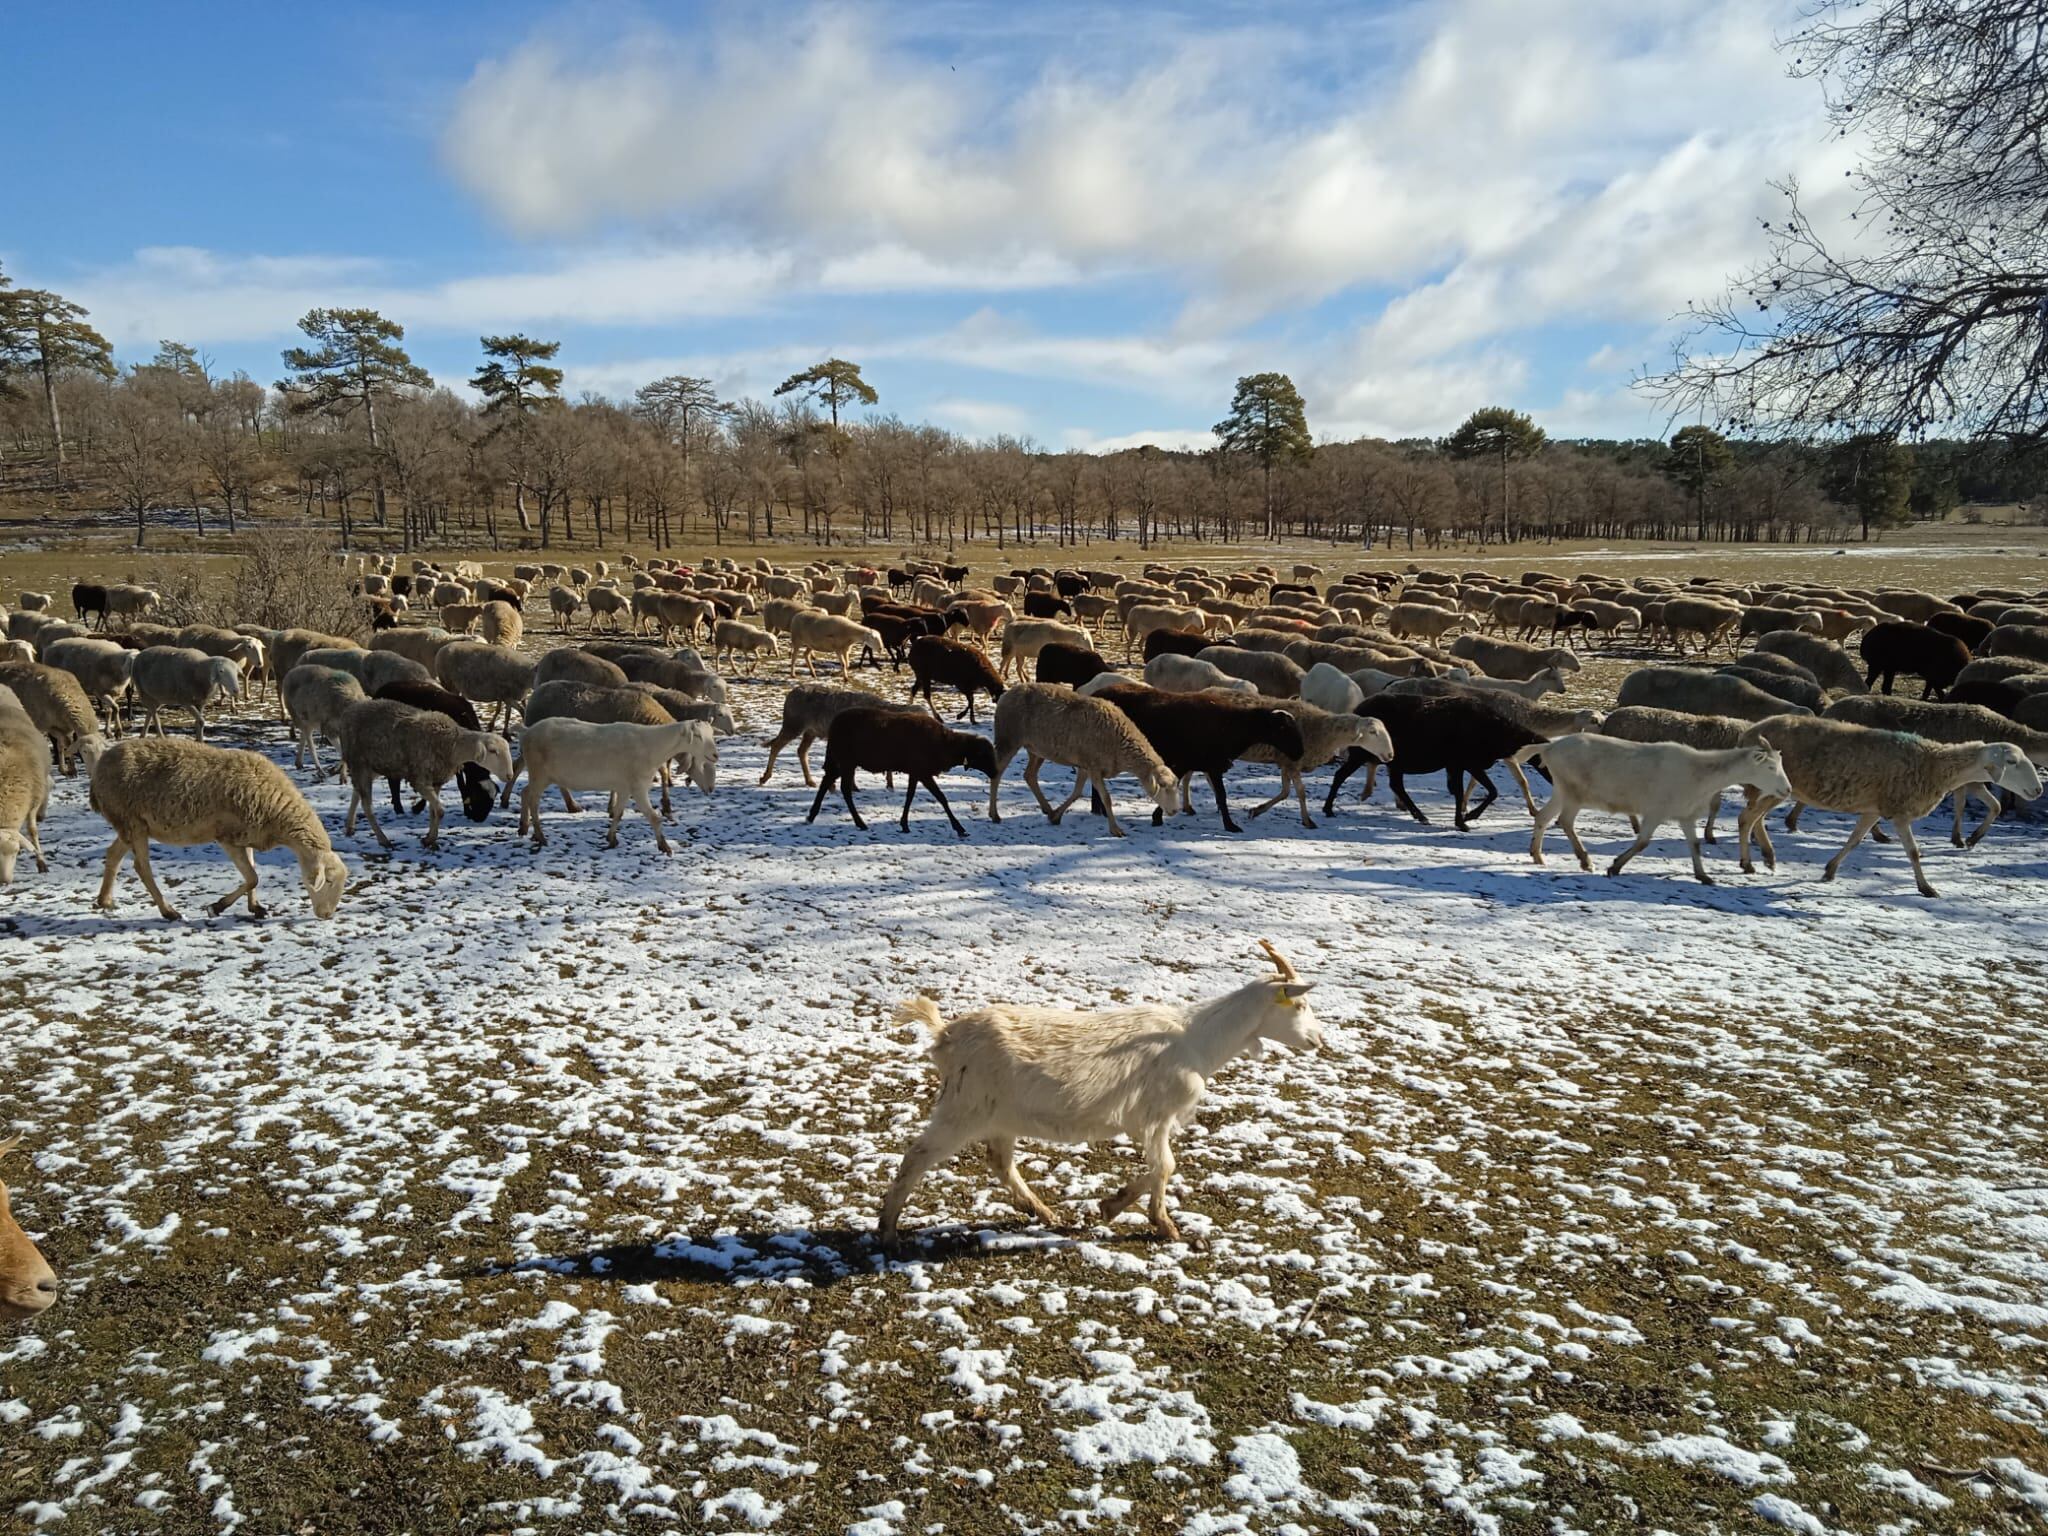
(1284, 1001)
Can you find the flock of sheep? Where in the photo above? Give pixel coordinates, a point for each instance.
(1411, 672)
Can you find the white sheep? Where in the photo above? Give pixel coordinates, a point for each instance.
(731, 639)
(1055, 1074)
(812, 632)
(186, 793)
(1875, 776)
(1651, 781)
(181, 677)
(103, 670)
(1330, 688)
(1050, 723)
(1173, 673)
(1325, 736)
(34, 602)
(1023, 639)
(620, 759)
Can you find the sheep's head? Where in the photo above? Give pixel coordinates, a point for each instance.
(225, 678)
(1289, 1020)
(491, 753)
(977, 753)
(1161, 787)
(2010, 769)
(698, 757)
(1549, 680)
(27, 1283)
(1764, 773)
(1372, 737)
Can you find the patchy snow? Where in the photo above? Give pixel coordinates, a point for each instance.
(557, 1167)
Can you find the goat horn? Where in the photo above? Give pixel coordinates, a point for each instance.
(1287, 972)
(10, 1144)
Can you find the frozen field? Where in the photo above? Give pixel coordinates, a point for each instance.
(532, 1192)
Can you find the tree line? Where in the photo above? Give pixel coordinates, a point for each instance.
(357, 437)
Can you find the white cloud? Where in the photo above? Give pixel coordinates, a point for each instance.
(980, 418)
(1191, 439)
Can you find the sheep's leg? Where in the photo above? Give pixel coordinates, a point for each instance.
(910, 794)
(1289, 779)
(1692, 842)
(529, 811)
(1454, 781)
(646, 803)
(1545, 814)
(775, 745)
(938, 795)
(199, 715)
(667, 808)
(568, 802)
(1082, 781)
(1002, 1156)
(363, 793)
(1993, 808)
(1032, 763)
(1568, 823)
(1713, 810)
(824, 788)
(505, 795)
(1649, 831)
(1222, 802)
(1863, 826)
(140, 848)
(1159, 1153)
(433, 799)
(846, 787)
(933, 1146)
(1354, 759)
(1904, 828)
(1394, 782)
(116, 852)
(246, 867)
(1522, 779)
(1492, 794)
(1100, 784)
(1792, 816)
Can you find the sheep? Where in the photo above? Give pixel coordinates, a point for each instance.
(935, 660)
(89, 597)
(1425, 620)
(103, 670)
(384, 738)
(808, 711)
(619, 758)
(186, 793)
(1096, 739)
(1793, 690)
(1457, 736)
(461, 618)
(315, 698)
(1543, 684)
(1897, 646)
(1325, 734)
(1705, 617)
(1144, 618)
(680, 672)
(34, 602)
(811, 632)
(1190, 674)
(17, 650)
(1273, 676)
(2024, 640)
(1703, 693)
(1510, 659)
(180, 677)
(1201, 733)
(564, 603)
(569, 665)
(731, 639)
(607, 603)
(1024, 639)
(24, 791)
(485, 674)
(420, 645)
(131, 602)
(1875, 776)
(1951, 723)
(599, 705)
(895, 740)
(1651, 782)
(1070, 664)
(472, 783)
(1056, 1074)
(1708, 733)
(28, 1286)
(500, 624)
(59, 708)
(1830, 665)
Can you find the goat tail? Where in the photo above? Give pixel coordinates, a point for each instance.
(921, 1010)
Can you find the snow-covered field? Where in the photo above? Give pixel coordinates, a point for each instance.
(532, 1191)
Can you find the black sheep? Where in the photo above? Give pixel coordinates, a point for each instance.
(1204, 733)
(472, 781)
(1916, 650)
(1069, 584)
(1172, 642)
(954, 573)
(1044, 605)
(935, 660)
(897, 741)
(1070, 664)
(89, 597)
(1449, 735)
(2003, 697)
(1972, 632)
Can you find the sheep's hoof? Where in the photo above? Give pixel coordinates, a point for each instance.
(1929, 891)
(170, 914)
(1706, 879)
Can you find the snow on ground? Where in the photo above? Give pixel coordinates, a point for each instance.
(532, 1191)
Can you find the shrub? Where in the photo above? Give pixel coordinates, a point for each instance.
(288, 581)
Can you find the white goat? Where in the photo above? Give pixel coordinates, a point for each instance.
(622, 759)
(1057, 1074)
(1652, 781)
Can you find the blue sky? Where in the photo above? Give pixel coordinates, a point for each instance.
(1074, 223)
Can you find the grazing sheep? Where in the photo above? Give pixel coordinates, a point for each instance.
(382, 738)
(89, 597)
(103, 670)
(1070, 664)
(485, 674)
(24, 791)
(1425, 621)
(808, 711)
(315, 699)
(894, 740)
(186, 793)
(34, 602)
(1951, 723)
(1875, 776)
(1202, 733)
(1458, 736)
(1793, 690)
(1325, 735)
(607, 603)
(1651, 782)
(472, 782)
(1700, 693)
(812, 632)
(59, 708)
(1058, 1074)
(1025, 639)
(1051, 724)
(1190, 674)
(379, 669)
(935, 660)
(1144, 618)
(1510, 659)
(131, 602)
(461, 618)
(599, 705)
(180, 677)
(730, 639)
(620, 759)
(564, 603)
(567, 664)
(1831, 666)
(1707, 618)
(420, 645)
(501, 624)
(1897, 646)
(1272, 675)
(28, 1286)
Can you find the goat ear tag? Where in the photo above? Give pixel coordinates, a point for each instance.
(1291, 993)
